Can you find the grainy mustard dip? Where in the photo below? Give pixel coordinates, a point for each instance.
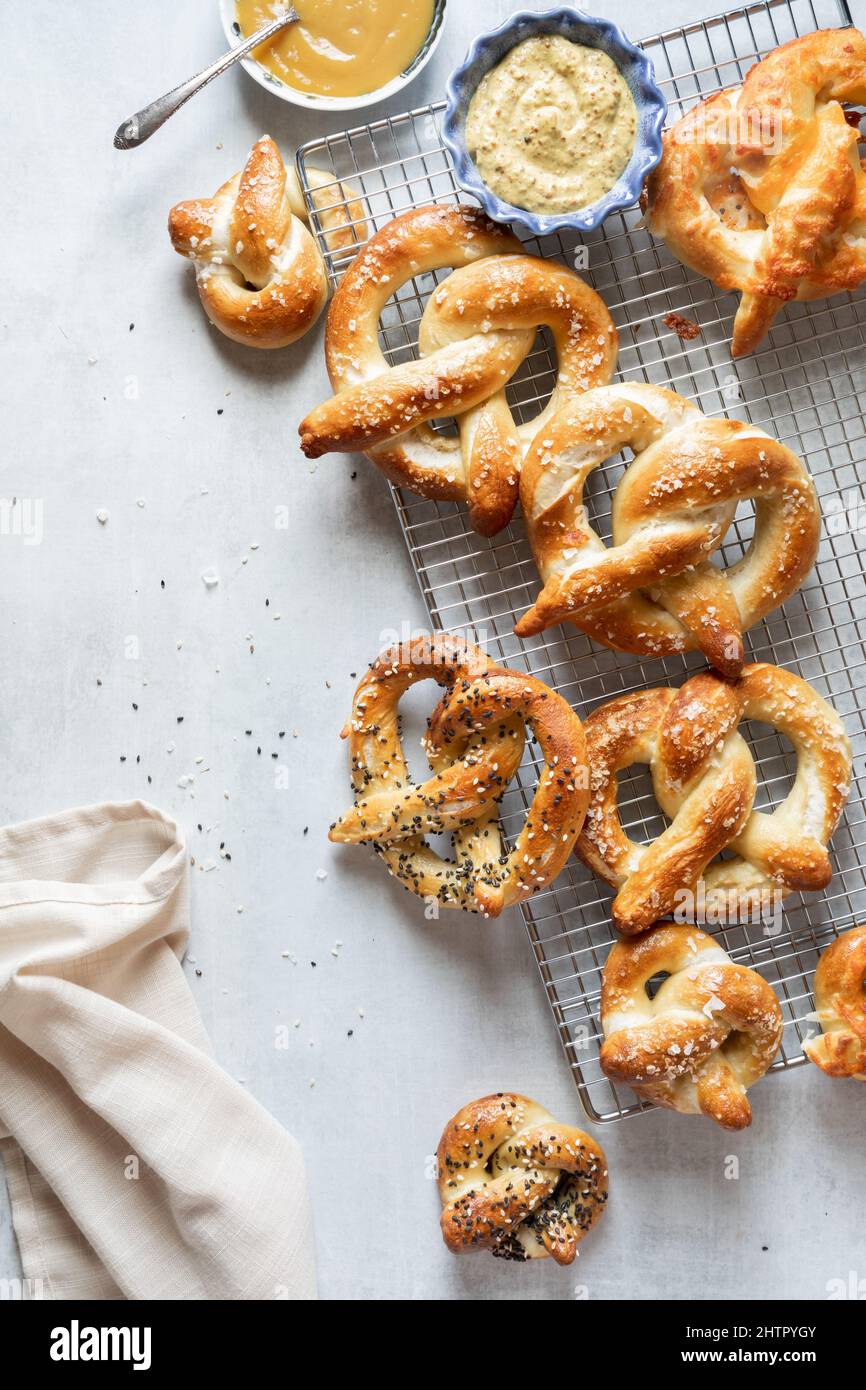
(553, 126)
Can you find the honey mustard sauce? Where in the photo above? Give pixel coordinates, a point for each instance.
(340, 48)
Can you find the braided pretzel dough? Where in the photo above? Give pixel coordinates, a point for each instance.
(705, 781)
(474, 744)
(476, 330)
(514, 1181)
(259, 273)
(711, 1031)
(761, 188)
(671, 510)
(840, 995)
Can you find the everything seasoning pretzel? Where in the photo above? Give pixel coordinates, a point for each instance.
(655, 590)
(474, 744)
(840, 998)
(710, 1031)
(514, 1181)
(705, 780)
(476, 330)
(761, 188)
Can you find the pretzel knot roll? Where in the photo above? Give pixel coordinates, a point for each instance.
(711, 1031)
(761, 188)
(704, 780)
(840, 996)
(655, 590)
(514, 1181)
(476, 330)
(259, 273)
(474, 743)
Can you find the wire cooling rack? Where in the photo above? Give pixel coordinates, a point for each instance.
(804, 386)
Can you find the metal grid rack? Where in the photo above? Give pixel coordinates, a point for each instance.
(803, 386)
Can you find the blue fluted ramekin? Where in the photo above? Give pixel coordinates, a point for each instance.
(490, 49)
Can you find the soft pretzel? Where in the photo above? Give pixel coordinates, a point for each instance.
(474, 744)
(476, 330)
(260, 277)
(671, 510)
(710, 1031)
(840, 996)
(704, 781)
(761, 187)
(514, 1181)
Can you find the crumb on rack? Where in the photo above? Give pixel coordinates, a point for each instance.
(685, 329)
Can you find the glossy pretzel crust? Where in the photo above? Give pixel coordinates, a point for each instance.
(515, 1181)
(476, 330)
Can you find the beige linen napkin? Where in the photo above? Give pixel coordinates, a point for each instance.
(136, 1167)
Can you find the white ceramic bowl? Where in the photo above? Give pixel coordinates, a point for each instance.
(266, 79)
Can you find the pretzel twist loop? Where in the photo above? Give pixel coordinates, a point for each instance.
(761, 187)
(474, 744)
(711, 1030)
(671, 511)
(516, 1182)
(258, 271)
(476, 330)
(840, 996)
(705, 781)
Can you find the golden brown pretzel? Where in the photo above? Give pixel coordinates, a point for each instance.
(476, 330)
(514, 1181)
(474, 744)
(258, 270)
(704, 781)
(710, 1031)
(840, 996)
(670, 511)
(761, 188)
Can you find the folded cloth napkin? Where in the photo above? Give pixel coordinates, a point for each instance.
(136, 1167)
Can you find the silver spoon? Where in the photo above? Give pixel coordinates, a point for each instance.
(138, 128)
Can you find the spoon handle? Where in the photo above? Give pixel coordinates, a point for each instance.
(138, 128)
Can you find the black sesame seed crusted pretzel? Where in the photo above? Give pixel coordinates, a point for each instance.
(515, 1181)
(474, 743)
